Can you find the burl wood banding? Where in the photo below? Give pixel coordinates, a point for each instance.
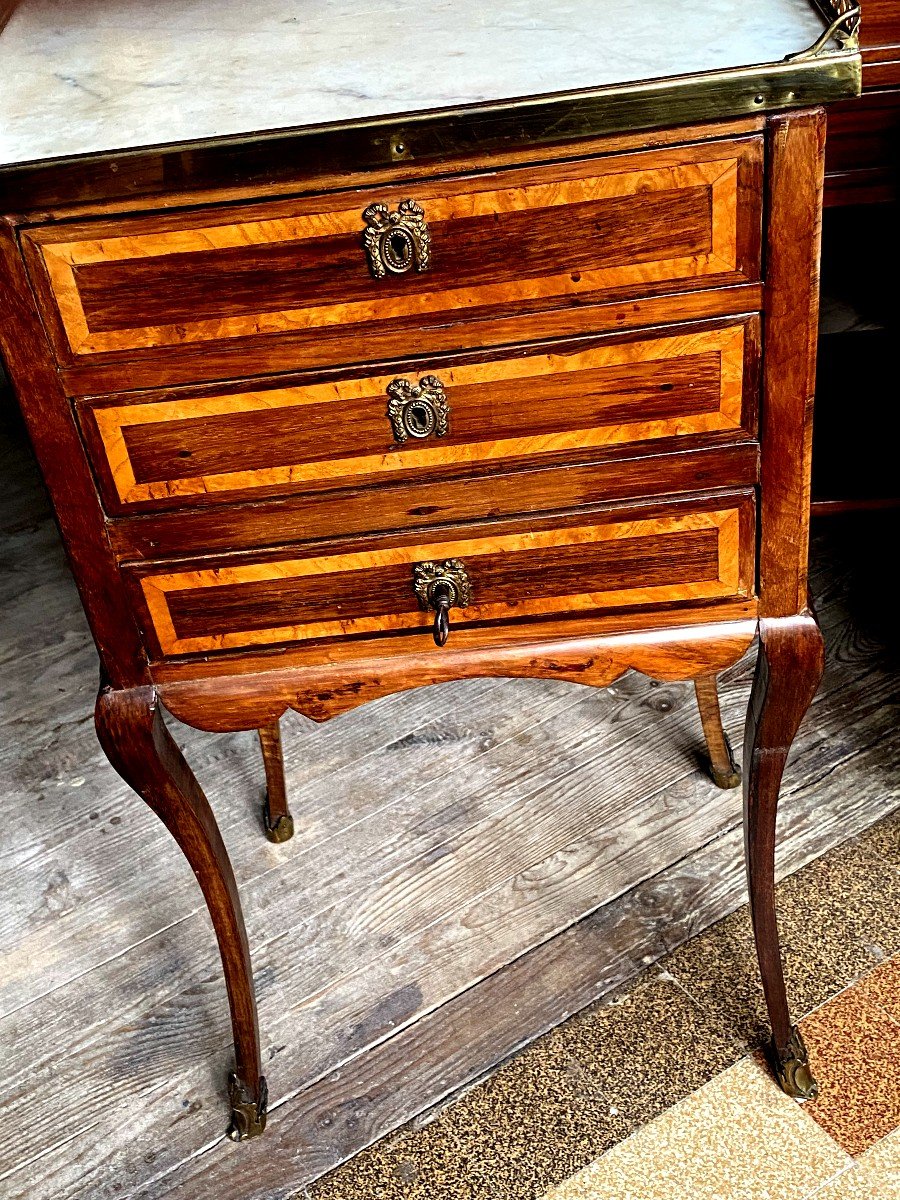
(521, 407)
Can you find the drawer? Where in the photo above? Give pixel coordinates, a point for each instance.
(526, 406)
(317, 279)
(698, 550)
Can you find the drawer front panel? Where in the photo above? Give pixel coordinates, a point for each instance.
(695, 552)
(203, 447)
(623, 223)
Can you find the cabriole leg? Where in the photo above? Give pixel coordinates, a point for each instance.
(722, 767)
(138, 744)
(788, 671)
(277, 817)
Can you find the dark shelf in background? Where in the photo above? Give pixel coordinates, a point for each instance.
(856, 444)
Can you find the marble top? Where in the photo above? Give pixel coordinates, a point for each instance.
(83, 76)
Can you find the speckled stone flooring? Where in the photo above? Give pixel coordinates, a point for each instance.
(659, 1090)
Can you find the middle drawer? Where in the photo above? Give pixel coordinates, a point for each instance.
(204, 445)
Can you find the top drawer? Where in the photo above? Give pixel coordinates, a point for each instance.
(291, 284)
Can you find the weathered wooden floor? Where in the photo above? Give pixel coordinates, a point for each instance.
(430, 915)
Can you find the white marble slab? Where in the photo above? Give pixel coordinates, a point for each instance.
(78, 76)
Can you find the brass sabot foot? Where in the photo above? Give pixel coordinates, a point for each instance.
(729, 776)
(282, 829)
(792, 1069)
(248, 1115)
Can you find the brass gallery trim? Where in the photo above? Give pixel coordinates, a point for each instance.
(843, 18)
(293, 154)
(843, 27)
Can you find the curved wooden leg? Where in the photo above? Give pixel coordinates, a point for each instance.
(276, 814)
(788, 671)
(134, 736)
(722, 767)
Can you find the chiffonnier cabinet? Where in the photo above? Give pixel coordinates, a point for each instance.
(511, 387)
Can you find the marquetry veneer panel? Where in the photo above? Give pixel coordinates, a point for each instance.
(623, 224)
(198, 447)
(702, 551)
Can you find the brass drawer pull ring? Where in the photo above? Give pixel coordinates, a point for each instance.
(417, 410)
(441, 586)
(396, 242)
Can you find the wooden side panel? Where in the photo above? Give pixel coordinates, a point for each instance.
(66, 472)
(622, 223)
(789, 369)
(198, 447)
(699, 553)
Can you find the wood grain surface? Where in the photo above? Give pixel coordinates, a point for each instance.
(142, 301)
(696, 555)
(881, 68)
(138, 744)
(793, 238)
(862, 151)
(556, 483)
(582, 396)
(880, 40)
(789, 669)
(55, 439)
(144, 284)
(597, 658)
(880, 25)
(451, 332)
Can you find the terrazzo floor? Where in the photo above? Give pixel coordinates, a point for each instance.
(661, 1090)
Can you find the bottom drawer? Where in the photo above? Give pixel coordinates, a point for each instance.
(694, 550)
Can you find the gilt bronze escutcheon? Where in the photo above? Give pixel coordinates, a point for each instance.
(441, 586)
(417, 410)
(396, 242)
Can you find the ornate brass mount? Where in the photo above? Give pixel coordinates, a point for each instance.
(248, 1116)
(792, 1068)
(843, 18)
(442, 586)
(730, 776)
(281, 829)
(417, 410)
(396, 242)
